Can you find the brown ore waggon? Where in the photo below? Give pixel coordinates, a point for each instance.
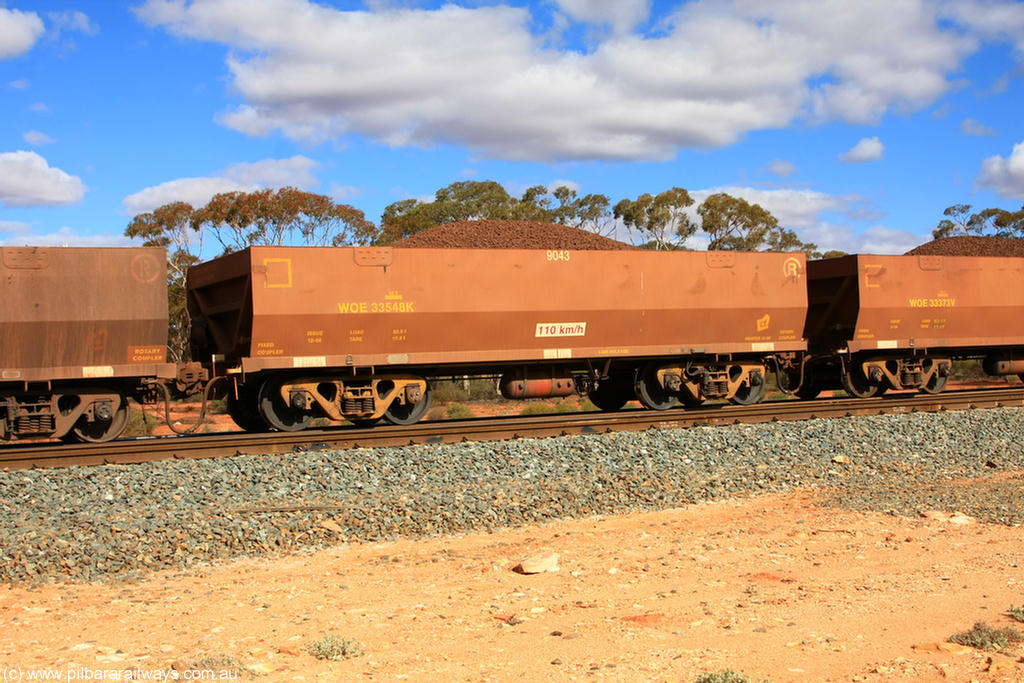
(82, 330)
(360, 333)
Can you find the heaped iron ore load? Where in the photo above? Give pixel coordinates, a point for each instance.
(82, 330)
(897, 322)
(505, 234)
(971, 245)
(358, 333)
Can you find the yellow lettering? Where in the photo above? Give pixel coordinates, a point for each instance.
(376, 307)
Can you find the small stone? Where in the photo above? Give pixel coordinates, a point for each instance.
(556, 662)
(538, 563)
(1001, 665)
(259, 668)
(961, 519)
(841, 460)
(556, 633)
(944, 646)
(331, 526)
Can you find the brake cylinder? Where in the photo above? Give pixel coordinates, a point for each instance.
(535, 383)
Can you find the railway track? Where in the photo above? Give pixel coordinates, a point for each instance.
(144, 449)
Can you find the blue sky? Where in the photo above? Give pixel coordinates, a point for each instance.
(855, 123)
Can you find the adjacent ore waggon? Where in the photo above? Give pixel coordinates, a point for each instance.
(360, 334)
(82, 330)
(897, 322)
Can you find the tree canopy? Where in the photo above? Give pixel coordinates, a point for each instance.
(661, 218)
(734, 224)
(959, 221)
(487, 200)
(285, 216)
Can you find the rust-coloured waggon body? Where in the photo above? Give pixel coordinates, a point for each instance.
(80, 327)
(898, 321)
(355, 330)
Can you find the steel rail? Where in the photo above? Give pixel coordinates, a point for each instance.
(144, 449)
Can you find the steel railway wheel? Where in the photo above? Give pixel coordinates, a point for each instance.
(746, 394)
(103, 428)
(276, 413)
(408, 413)
(650, 392)
(808, 390)
(857, 385)
(935, 384)
(610, 394)
(244, 410)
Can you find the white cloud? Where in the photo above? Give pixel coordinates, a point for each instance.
(1005, 176)
(340, 192)
(19, 31)
(22, 236)
(571, 184)
(71, 21)
(34, 137)
(296, 171)
(621, 15)
(478, 77)
(39, 108)
(20, 84)
(976, 128)
(867, 149)
(990, 19)
(794, 208)
(27, 180)
(241, 177)
(781, 168)
(876, 239)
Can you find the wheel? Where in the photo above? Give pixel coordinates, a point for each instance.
(651, 394)
(747, 395)
(610, 394)
(808, 390)
(936, 384)
(245, 411)
(857, 385)
(408, 413)
(276, 413)
(100, 431)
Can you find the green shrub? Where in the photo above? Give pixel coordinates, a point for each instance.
(1016, 613)
(459, 411)
(538, 408)
(332, 647)
(725, 676)
(984, 637)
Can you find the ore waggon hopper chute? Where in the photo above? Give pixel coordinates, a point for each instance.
(360, 333)
(876, 323)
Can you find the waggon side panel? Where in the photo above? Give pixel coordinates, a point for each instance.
(344, 306)
(83, 313)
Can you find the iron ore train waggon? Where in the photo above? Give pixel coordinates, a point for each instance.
(81, 330)
(360, 334)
